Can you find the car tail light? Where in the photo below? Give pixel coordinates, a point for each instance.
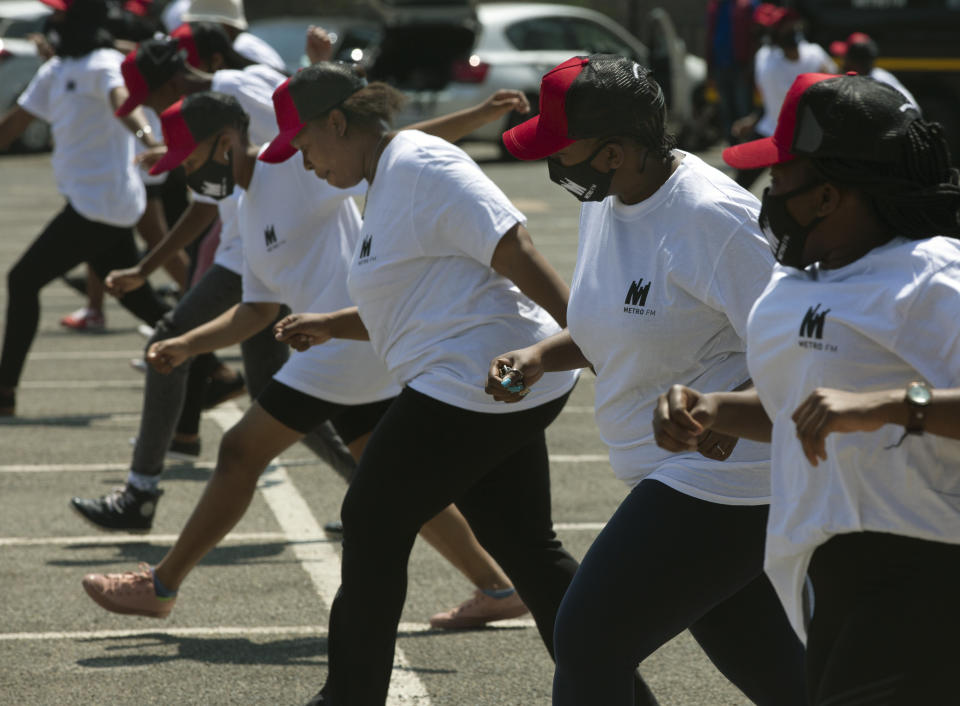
(470, 70)
(4, 52)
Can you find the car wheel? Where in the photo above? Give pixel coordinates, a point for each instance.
(36, 138)
(513, 119)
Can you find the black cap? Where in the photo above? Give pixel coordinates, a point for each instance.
(614, 95)
(852, 117)
(149, 66)
(321, 87)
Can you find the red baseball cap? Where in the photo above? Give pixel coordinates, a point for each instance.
(769, 15)
(307, 94)
(840, 48)
(62, 5)
(548, 132)
(146, 68)
(191, 120)
(776, 149)
(184, 36)
(848, 117)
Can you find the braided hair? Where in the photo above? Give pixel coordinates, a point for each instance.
(917, 197)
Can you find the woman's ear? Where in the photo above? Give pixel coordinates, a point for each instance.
(828, 199)
(614, 155)
(338, 121)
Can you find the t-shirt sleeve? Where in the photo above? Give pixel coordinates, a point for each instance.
(927, 335)
(742, 271)
(35, 98)
(460, 211)
(254, 289)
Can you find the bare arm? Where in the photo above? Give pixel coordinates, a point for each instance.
(12, 125)
(192, 223)
(232, 326)
(558, 352)
(456, 126)
(136, 121)
(518, 260)
(827, 411)
(682, 415)
(300, 331)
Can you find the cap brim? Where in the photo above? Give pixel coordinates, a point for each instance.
(757, 154)
(172, 159)
(56, 4)
(280, 149)
(529, 141)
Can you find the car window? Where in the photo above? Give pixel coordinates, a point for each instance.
(597, 39)
(542, 33)
(21, 27)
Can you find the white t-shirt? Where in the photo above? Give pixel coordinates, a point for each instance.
(251, 47)
(888, 78)
(436, 311)
(253, 87)
(298, 236)
(173, 13)
(93, 150)
(660, 295)
(775, 74)
(877, 324)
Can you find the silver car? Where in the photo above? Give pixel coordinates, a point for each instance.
(19, 61)
(452, 57)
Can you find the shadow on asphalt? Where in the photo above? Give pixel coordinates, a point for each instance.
(133, 552)
(207, 650)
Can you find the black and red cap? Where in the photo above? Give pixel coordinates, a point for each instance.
(857, 46)
(146, 68)
(601, 95)
(191, 120)
(838, 117)
(308, 94)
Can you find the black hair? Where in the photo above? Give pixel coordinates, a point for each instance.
(210, 38)
(83, 29)
(616, 97)
(209, 112)
(916, 197)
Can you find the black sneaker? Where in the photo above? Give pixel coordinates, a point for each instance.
(126, 508)
(219, 390)
(333, 527)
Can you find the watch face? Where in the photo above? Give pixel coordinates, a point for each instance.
(919, 394)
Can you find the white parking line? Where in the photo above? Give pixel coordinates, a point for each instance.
(253, 631)
(319, 559)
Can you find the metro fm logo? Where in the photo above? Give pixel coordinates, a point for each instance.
(366, 247)
(636, 300)
(811, 330)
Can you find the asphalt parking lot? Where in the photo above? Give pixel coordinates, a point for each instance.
(250, 623)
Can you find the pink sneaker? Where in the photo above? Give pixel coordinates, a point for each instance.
(84, 319)
(478, 611)
(130, 593)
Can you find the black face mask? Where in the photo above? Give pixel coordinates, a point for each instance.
(787, 237)
(580, 179)
(212, 178)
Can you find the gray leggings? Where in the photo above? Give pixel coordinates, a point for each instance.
(217, 291)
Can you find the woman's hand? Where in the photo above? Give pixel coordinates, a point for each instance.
(827, 410)
(681, 416)
(150, 156)
(512, 374)
(119, 282)
(300, 331)
(319, 44)
(167, 354)
(502, 102)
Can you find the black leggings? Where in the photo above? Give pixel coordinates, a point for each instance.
(424, 455)
(666, 562)
(885, 622)
(68, 240)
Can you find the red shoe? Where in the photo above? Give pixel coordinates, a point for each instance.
(84, 319)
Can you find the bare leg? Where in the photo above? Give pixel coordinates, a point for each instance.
(95, 291)
(450, 535)
(245, 451)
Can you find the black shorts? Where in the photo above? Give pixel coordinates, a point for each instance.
(304, 413)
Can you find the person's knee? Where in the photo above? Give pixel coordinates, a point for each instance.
(237, 454)
(20, 280)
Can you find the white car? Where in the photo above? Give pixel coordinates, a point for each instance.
(19, 61)
(447, 59)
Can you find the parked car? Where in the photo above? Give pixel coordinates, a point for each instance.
(19, 61)
(455, 55)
